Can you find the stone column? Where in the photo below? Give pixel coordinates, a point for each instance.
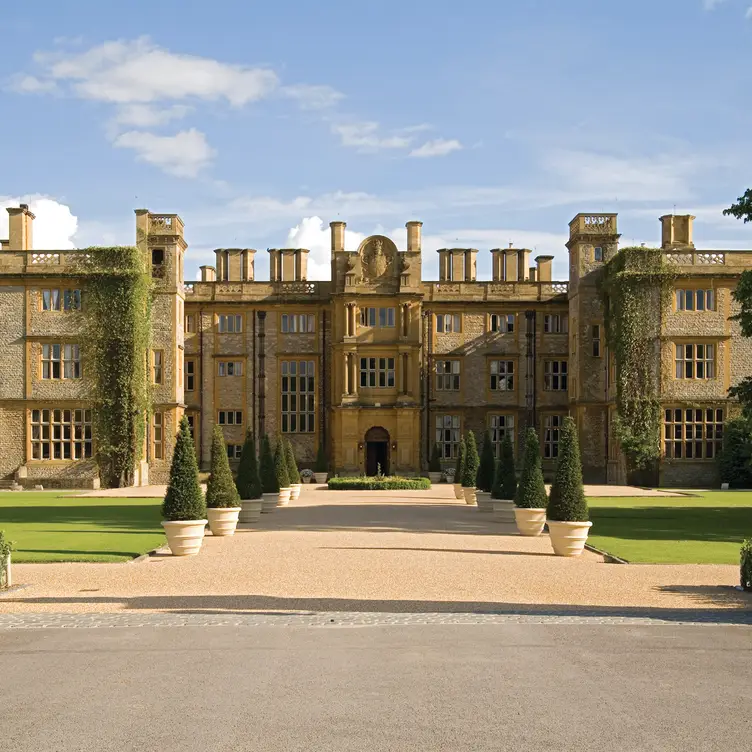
(346, 387)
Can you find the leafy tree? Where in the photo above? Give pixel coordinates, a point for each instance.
(184, 499)
(280, 465)
(735, 457)
(531, 492)
(292, 465)
(567, 501)
(434, 466)
(487, 467)
(472, 462)
(248, 482)
(220, 488)
(269, 483)
(459, 465)
(321, 465)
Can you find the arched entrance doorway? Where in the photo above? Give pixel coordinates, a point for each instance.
(377, 450)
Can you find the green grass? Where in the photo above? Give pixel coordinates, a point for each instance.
(55, 526)
(705, 528)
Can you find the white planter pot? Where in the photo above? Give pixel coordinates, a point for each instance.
(269, 502)
(250, 510)
(284, 497)
(503, 510)
(434, 477)
(294, 491)
(223, 521)
(8, 577)
(483, 500)
(530, 522)
(470, 495)
(458, 491)
(568, 538)
(184, 537)
(320, 477)
(306, 479)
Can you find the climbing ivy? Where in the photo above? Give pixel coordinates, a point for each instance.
(117, 307)
(636, 286)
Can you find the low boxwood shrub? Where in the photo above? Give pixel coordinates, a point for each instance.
(746, 565)
(384, 483)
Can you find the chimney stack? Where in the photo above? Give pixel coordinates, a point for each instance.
(20, 225)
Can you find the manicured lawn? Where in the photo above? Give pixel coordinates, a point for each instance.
(706, 528)
(55, 526)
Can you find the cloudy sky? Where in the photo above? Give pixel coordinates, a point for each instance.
(259, 123)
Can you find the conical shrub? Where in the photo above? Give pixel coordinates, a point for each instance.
(508, 479)
(472, 462)
(248, 482)
(292, 466)
(434, 466)
(567, 501)
(321, 465)
(280, 465)
(487, 467)
(184, 499)
(459, 465)
(531, 493)
(220, 488)
(269, 483)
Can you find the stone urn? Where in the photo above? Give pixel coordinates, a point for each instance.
(184, 537)
(458, 491)
(503, 510)
(484, 501)
(223, 520)
(434, 477)
(284, 497)
(250, 510)
(305, 478)
(530, 522)
(269, 502)
(7, 578)
(295, 490)
(568, 538)
(470, 495)
(320, 477)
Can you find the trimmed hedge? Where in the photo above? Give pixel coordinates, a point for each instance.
(745, 568)
(388, 483)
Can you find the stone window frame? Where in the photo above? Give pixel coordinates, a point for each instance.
(225, 366)
(551, 425)
(555, 379)
(696, 294)
(371, 317)
(296, 318)
(497, 432)
(556, 323)
(157, 435)
(61, 299)
(692, 428)
(502, 377)
(189, 323)
(499, 317)
(693, 358)
(66, 361)
(447, 380)
(234, 451)
(69, 428)
(224, 319)
(447, 449)
(374, 372)
(448, 322)
(190, 373)
(289, 415)
(157, 368)
(230, 417)
(596, 339)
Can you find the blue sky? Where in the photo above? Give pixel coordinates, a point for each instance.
(259, 123)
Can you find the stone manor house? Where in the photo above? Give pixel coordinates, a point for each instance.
(377, 364)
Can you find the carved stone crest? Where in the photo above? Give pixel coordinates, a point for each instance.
(378, 256)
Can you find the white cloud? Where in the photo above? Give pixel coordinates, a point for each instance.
(185, 154)
(24, 84)
(147, 116)
(439, 147)
(748, 14)
(313, 234)
(365, 136)
(313, 97)
(54, 226)
(140, 71)
(712, 4)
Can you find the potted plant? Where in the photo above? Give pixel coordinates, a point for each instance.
(248, 482)
(567, 513)
(470, 470)
(320, 467)
(434, 466)
(531, 498)
(292, 471)
(485, 478)
(458, 468)
(306, 475)
(183, 508)
(222, 498)
(505, 484)
(269, 483)
(6, 547)
(280, 470)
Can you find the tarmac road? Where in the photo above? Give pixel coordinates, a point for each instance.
(427, 687)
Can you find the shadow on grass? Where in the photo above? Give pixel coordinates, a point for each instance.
(87, 555)
(264, 604)
(129, 517)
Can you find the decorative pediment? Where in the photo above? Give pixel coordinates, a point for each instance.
(378, 257)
